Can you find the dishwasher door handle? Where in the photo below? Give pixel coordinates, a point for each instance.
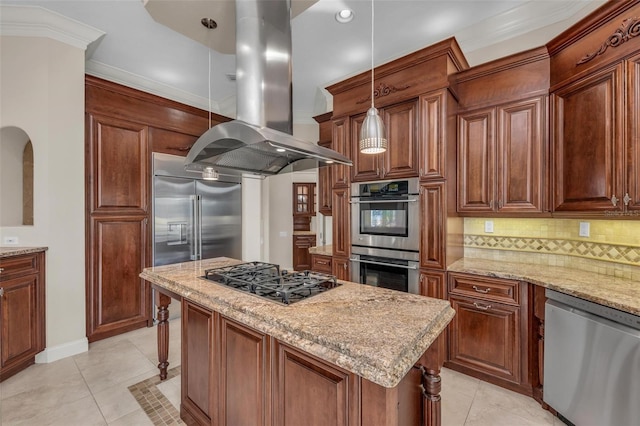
(393, 265)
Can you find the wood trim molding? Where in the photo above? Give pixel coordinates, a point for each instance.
(630, 28)
(383, 90)
(503, 64)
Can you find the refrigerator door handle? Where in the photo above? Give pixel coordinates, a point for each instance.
(199, 231)
(193, 240)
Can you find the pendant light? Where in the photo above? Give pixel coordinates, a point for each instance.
(373, 138)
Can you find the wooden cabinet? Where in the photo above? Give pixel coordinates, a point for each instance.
(536, 342)
(301, 255)
(595, 113)
(304, 199)
(401, 158)
(437, 127)
(321, 263)
(488, 337)
(340, 143)
(168, 142)
(341, 268)
(22, 311)
(308, 390)
(341, 223)
(432, 225)
(501, 154)
(245, 376)
(324, 186)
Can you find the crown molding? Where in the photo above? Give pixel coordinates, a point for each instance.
(36, 21)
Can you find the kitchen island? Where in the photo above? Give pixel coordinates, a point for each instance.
(352, 355)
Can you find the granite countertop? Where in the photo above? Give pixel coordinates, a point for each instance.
(16, 251)
(304, 232)
(323, 250)
(376, 333)
(615, 292)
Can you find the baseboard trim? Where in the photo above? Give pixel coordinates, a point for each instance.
(64, 350)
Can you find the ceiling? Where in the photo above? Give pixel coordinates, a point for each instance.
(139, 52)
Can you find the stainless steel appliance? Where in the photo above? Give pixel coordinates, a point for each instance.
(193, 218)
(267, 281)
(393, 269)
(591, 362)
(386, 214)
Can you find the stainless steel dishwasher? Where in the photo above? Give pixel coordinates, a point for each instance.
(591, 362)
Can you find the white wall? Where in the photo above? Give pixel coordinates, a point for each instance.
(42, 92)
(12, 143)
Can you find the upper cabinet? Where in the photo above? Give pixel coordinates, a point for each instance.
(502, 136)
(401, 158)
(304, 199)
(595, 74)
(325, 173)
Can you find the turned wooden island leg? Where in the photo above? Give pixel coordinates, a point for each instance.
(162, 302)
(431, 385)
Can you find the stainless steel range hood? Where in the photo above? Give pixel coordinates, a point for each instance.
(260, 139)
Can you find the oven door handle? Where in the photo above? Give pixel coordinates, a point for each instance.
(408, 200)
(373, 262)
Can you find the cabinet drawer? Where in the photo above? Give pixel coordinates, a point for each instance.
(491, 289)
(321, 263)
(17, 266)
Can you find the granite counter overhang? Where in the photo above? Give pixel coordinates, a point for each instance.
(17, 251)
(618, 293)
(375, 333)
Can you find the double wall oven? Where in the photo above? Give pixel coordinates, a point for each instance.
(385, 234)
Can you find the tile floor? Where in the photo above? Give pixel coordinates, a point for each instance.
(93, 389)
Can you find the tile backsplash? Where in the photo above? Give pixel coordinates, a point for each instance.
(612, 247)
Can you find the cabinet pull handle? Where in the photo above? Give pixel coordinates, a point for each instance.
(1, 291)
(614, 201)
(322, 262)
(482, 307)
(1, 269)
(483, 291)
(378, 171)
(626, 199)
(420, 171)
(344, 266)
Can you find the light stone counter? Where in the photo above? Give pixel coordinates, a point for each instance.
(16, 251)
(322, 250)
(304, 232)
(376, 333)
(618, 293)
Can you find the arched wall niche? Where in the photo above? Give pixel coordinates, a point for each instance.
(16, 177)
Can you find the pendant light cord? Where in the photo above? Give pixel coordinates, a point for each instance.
(372, 74)
(209, 87)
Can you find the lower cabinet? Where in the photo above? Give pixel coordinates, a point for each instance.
(489, 336)
(301, 255)
(22, 311)
(321, 263)
(235, 375)
(341, 269)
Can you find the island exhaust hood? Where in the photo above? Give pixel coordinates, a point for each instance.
(260, 139)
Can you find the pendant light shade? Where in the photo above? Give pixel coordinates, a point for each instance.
(373, 137)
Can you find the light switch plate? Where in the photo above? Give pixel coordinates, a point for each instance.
(488, 226)
(283, 234)
(10, 240)
(584, 229)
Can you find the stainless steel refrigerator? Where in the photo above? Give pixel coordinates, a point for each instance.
(193, 218)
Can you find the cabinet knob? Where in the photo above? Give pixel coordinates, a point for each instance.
(614, 201)
(1, 269)
(626, 199)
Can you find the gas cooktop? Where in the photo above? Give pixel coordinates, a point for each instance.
(267, 281)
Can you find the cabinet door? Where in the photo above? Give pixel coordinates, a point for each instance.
(198, 388)
(324, 185)
(587, 142)
(117, 298)
(485, 337)
(433, 133)
(340, 143)
(301, 255)
(432, 231)
(401, 157)
(244, 375)
(341, 268)
(321, 263)
(308, 391)
(341, 223)
(476, 161)
(168, 142)
(119, 166)
(633, 133)
(521, 155)
(365, 166)
(21, 326)
(304, 199)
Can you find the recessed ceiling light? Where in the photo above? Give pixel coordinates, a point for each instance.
(280, 149)
(345, 15)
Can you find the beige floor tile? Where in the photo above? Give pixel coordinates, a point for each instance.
(171, 389)
(39, 375)
(491, 415)
(82, 412)
(107, 365)
(520, 405)
(455, 407)
(458, 382)
(116, 401)
(136, 418)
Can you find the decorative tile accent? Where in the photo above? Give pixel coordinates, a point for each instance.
(154, 403)
(629, 255)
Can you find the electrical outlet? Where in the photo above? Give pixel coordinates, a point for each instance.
(488, 226)
(10, 240)
(584, 229)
